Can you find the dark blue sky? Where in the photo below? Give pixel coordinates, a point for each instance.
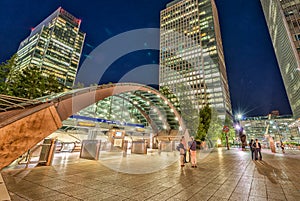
(254, 79)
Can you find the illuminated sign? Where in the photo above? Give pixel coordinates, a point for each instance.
(106, 121)
(140, 129)
(88, 124)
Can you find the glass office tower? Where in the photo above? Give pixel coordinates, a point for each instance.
(192, 62)
(54, 46)
(283, 20)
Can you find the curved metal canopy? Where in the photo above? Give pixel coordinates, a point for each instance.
(123, 102)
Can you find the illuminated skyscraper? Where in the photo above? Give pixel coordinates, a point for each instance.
(283, 20)
(192, 62)
(54, 46)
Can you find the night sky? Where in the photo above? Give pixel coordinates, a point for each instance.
(255, 83)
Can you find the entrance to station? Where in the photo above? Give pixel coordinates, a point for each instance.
(116, 142)
(112, 147)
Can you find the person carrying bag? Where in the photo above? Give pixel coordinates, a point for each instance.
(193, 153)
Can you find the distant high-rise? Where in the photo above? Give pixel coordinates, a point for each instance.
(283, 20)
(192, 62)
(54, 46)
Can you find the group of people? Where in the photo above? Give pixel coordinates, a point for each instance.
(255, 148)
(189, 148)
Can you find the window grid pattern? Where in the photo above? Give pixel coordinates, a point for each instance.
(283, 20)
(54, 47)
(191, 55)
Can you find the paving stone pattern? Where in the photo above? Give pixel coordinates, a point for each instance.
(222, 175)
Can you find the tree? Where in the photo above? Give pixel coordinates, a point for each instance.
(5, 71)
(30, 83)
(78, 85)
(231, 133)
(215, 130)
(204, 123)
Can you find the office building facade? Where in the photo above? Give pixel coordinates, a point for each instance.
(283, 20)
(54, 46)
(192, 62)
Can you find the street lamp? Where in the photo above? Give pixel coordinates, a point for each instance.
(237, 127)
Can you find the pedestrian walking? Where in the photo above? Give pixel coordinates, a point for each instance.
(282, 147)
(182, 151)
(257, 147)
(252, 150)
(184, 144)
(192, 147)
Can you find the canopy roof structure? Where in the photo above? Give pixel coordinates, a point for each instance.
(24, 123)
(142, 105)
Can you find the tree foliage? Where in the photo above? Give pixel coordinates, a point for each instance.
(78, 85)
(5, 71)
(204, 123)
(231, 133)
(215, 130)
(30, 83)
(211, 127)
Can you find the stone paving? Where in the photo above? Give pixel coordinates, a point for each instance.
(221, 175)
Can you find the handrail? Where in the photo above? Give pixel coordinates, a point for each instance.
(10, 102)
(28, 155)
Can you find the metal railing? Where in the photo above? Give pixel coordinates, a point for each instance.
(12, 102)
(27, 156)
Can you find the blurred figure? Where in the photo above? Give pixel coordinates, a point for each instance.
(252, 150)
(203, 145)
(282, 147)
(182, 151)
(184, 144)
